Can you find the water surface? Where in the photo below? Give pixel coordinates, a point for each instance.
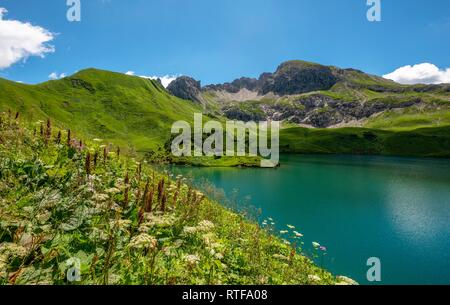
(396, 209)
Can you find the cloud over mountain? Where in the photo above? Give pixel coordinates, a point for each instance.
(165, 80)
(424, 73)
(55, 75)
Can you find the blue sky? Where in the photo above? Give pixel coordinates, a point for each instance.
(217, 41)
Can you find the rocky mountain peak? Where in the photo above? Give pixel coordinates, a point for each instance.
(186, 88)
(297, 77)
(291, 77)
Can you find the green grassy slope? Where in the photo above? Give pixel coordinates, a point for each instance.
(408, 119)
(125, 223)
(137, 113)
(131, 111)
(425, 142)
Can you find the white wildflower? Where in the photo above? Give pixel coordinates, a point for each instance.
(113, 279)
(97, 234)
(314, 278)
(113, 191)
(100, 197)
(3, 266)
(297, 234)
(120, 224)
(189, 230)
(178, 243)
(44, 216)
(208, 238)
(263, 280)
(143, 241)
(160, 220)
(169, 251)
(343, 280)
(192, 259)
(144, 228)
(46, 228)
(205, 226)
(280, 256)
(12, 249)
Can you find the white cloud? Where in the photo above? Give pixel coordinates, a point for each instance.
(20, 40)
(54, 75)
(165, 80)
(424, 73)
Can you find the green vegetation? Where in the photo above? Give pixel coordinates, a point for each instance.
(425, 142)
(408, 119)
(223, 161)
(63, 202)
(136, 114)
(133, 112)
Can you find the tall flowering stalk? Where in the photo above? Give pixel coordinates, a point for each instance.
(105, 154)
(127, 189)
(149, 201)
(87, 164)
(58, 138)
(48, 131)
(95, 158)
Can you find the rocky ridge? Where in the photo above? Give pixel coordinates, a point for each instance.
(297, 93)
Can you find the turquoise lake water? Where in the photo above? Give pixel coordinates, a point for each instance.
(396, 209)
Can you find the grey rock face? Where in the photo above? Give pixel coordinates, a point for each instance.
(317, 110)
(304, 78)
(299, 77)
(294, 77)
(251, 84)
(186, 88)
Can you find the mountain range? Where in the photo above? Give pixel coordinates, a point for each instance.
(313, 95)
(323, 109)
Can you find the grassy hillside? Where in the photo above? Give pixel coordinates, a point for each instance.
(136, 114)
(128, 110)
(123, 223)
(409, 119)
(425, 142)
